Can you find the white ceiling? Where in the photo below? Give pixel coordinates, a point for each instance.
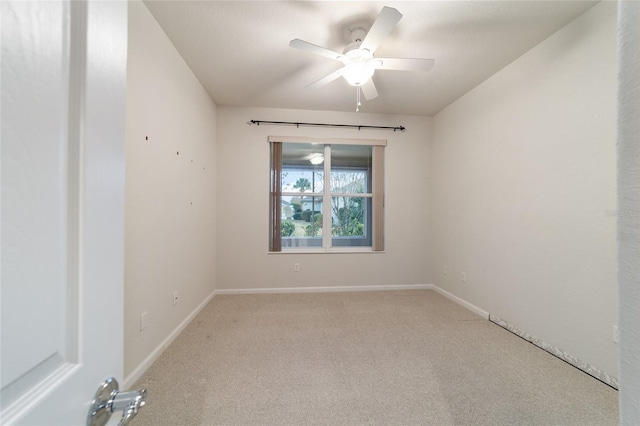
(239, 50)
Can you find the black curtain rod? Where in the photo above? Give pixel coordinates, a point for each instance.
(352, 126)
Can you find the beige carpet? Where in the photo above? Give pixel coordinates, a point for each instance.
(362, 358)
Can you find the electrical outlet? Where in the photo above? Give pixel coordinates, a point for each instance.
(296, 267)
(143, 321)
(175, 298)
(615, 334)
(463, 277)
(444, 270)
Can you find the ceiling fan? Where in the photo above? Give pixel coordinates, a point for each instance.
(358, 57)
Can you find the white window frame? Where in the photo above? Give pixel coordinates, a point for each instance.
(376, 195)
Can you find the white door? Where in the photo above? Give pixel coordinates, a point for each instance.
(63, 131)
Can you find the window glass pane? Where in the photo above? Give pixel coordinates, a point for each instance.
(301, 221)
(302, 168)
(301, 242)
(302, 180)
(350, 169)
(350, 224)
(303, 174)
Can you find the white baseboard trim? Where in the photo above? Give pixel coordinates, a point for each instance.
(473, 308)
(155, 354)
(332, 289)
(557, 352)
(144, 365)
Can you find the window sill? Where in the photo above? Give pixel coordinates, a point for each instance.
(334, 250)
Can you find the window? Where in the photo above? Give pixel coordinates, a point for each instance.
(326, 194)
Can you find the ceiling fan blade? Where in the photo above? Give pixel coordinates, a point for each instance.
(328, 79)
(383, 25)
(369, 90)
(405, 64)
(318, 50)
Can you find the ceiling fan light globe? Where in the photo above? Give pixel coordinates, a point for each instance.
(316, 159)
(358, 73)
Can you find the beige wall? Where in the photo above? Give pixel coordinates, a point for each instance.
(170, 198)
(524, 170)
(243, 173)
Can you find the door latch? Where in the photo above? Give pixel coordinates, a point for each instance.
(109, 399)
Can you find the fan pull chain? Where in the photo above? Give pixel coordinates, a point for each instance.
(358, 98)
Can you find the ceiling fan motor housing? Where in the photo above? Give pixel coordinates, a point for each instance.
(358, 34)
